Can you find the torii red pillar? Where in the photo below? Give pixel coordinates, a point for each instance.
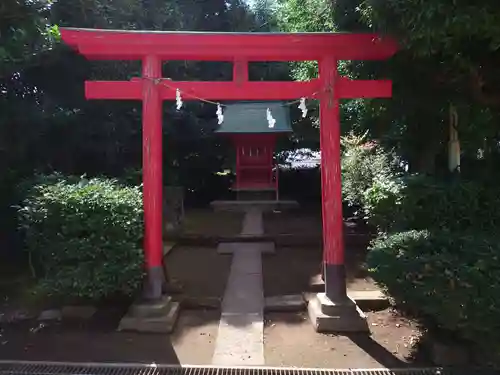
(152, 160)
(153, 48)
(331, 183)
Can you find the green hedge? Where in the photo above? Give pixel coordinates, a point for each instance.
(449, 280)
(435, 255)
(85, 235)
(419, 202)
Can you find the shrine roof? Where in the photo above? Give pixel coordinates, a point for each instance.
(251, 117)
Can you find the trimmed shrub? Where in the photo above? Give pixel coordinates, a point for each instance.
(85, 235)
(450, 281)
(420, 202)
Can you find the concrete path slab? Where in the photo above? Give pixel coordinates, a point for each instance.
(267, 206)
(253, 223)
(231, 247)
(244, 297)
(240, 339)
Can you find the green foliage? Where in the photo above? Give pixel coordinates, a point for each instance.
(85, 235)
(368, 171)
(450, 281)
(420, 202)
(458, 44)
(302, 16)
(382, 199)
(437, 27)
(394, 201)
(24, 32)
(448, 55)
(305, 16)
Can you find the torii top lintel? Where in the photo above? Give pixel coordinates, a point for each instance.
(210, 46)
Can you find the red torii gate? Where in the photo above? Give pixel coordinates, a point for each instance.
(153, 47)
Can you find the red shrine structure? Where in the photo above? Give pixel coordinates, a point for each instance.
(152, 48)
(254, 140)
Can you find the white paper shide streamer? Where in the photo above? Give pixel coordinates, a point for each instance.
(303, 107)
(270, 119)
(220, 115)
(178, 99)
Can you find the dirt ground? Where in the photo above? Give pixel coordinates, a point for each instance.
(289, 340)
(291, 270)
(98, 341)
(203, 273)
(209, 223)
(289, 337)
(307, 222)
(199, 270)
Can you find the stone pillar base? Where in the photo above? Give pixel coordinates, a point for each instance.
(157, 316)
(154, 283)
(329, 316)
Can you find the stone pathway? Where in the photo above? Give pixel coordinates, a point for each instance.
(253, 224)
(240, 339)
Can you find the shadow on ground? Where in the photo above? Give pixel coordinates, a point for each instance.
(376, 351)
(62, 344)
(292, 269)
(290, 340)
(209, 223)
(200, 271)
